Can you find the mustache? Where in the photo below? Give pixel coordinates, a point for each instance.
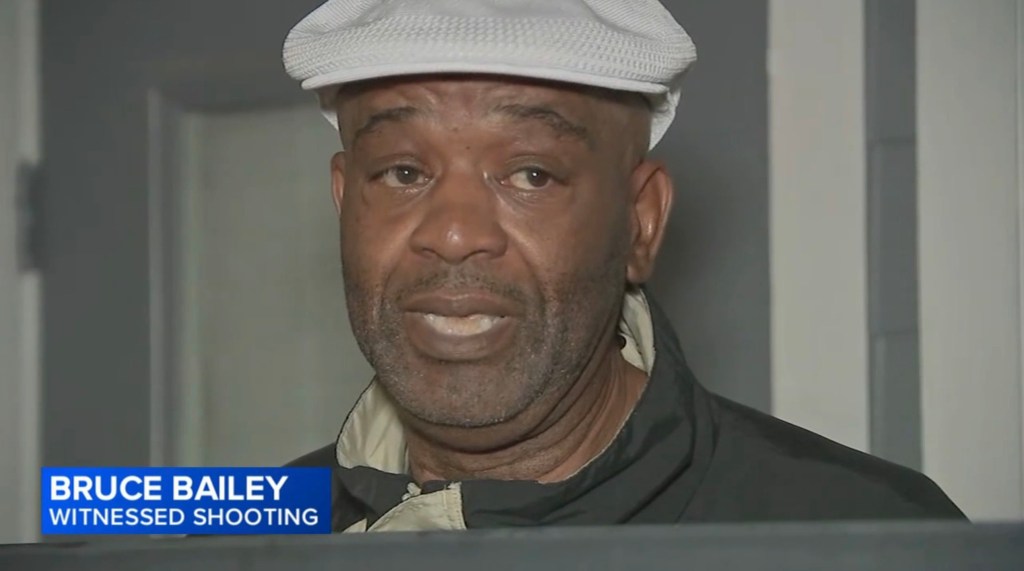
(462, 279)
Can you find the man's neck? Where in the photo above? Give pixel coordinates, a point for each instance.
(578, 427)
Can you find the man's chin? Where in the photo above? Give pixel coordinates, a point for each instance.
(468, 399)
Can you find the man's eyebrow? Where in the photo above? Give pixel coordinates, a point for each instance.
(393, 114)
(553, 119)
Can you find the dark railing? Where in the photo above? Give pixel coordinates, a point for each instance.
(790, 547)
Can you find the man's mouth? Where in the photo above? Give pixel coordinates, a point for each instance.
(460, 325)
(467, 326)
(452, 339)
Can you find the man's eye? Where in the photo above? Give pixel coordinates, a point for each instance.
(530, 179)
(402, 176)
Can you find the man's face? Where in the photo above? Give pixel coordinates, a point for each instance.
(486, 227)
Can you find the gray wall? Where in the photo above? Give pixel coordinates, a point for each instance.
(102, 57)
(712, 277)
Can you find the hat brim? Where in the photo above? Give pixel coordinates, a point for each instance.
(326, 86)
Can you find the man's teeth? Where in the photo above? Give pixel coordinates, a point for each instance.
(465, 326)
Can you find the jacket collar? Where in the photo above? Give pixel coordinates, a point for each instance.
(647, 474)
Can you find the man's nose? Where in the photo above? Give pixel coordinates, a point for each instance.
(460, 220)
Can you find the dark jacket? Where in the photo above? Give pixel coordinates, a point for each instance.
(685, 455)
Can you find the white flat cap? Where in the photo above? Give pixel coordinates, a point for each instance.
(626, 45)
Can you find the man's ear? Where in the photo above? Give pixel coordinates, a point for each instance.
(338, 179)
(652, 194)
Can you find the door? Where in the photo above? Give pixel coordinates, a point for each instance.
(262, 363)
(194, 306)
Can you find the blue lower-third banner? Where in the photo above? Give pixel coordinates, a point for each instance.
(207, 501)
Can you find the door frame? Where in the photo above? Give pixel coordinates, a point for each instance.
(20, 277)
(169, 105)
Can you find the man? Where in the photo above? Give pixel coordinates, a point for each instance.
(498, 219)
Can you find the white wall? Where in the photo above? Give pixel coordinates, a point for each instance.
(969, 197)
(818, 230)
(19, 398)
(970, 131)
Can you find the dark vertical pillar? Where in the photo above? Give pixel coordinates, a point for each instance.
(895, 380)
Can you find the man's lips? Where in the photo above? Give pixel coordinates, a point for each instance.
(459, 325)
(456, 303)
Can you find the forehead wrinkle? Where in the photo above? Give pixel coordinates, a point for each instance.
(548, 116)
(385, 101)
(468, 98)
(378, 118)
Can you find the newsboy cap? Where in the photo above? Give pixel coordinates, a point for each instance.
(626, 45)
